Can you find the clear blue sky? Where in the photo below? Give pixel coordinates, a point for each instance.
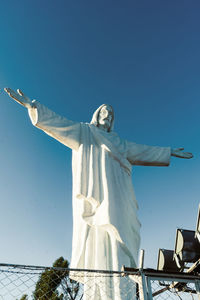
(143, 58)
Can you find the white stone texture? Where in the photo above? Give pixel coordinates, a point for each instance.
(106, 230)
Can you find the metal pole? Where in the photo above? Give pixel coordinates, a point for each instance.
(197, 285)
(141, 259)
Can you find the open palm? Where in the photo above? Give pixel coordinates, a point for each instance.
(19, 97)
(178, 152)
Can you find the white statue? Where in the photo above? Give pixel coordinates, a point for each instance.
(105, 224)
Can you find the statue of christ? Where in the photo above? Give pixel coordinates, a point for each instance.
(105, 224)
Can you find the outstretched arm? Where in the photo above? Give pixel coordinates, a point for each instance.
(145, 155)
(152, 155)
(65, 131)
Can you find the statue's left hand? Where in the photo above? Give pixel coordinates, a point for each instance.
(178, 152)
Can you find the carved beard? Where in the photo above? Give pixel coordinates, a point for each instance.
(105, 123)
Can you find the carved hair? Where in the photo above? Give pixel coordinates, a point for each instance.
(95, 117)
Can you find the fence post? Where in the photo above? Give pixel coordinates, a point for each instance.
(197, 285)
(141, 259)
(140, 280)
(143, 289)
(149, 292)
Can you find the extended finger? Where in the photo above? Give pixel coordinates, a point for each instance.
(181, 149)
(8, 90)
(20, 92)
(187, 155)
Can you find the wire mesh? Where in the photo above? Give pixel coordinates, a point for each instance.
(31, 282)
(48, 283)
(170, 289)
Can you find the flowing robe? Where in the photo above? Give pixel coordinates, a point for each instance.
(105, 224)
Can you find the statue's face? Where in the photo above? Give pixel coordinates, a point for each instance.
(105, 117)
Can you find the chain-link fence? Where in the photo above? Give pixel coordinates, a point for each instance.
(41, 283)
(163, 286)
(166, 289)
(31, 282)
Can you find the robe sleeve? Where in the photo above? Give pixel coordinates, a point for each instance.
(148, 155)
(65, 131)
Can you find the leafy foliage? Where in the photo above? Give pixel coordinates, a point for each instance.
(24, 297)
(50, 280)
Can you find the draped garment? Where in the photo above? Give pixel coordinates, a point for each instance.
(105, 224)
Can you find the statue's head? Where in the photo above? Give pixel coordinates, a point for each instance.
(103, 117)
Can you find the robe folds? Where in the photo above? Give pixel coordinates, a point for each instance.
(105, 224)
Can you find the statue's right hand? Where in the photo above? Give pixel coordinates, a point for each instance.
(19, 97)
